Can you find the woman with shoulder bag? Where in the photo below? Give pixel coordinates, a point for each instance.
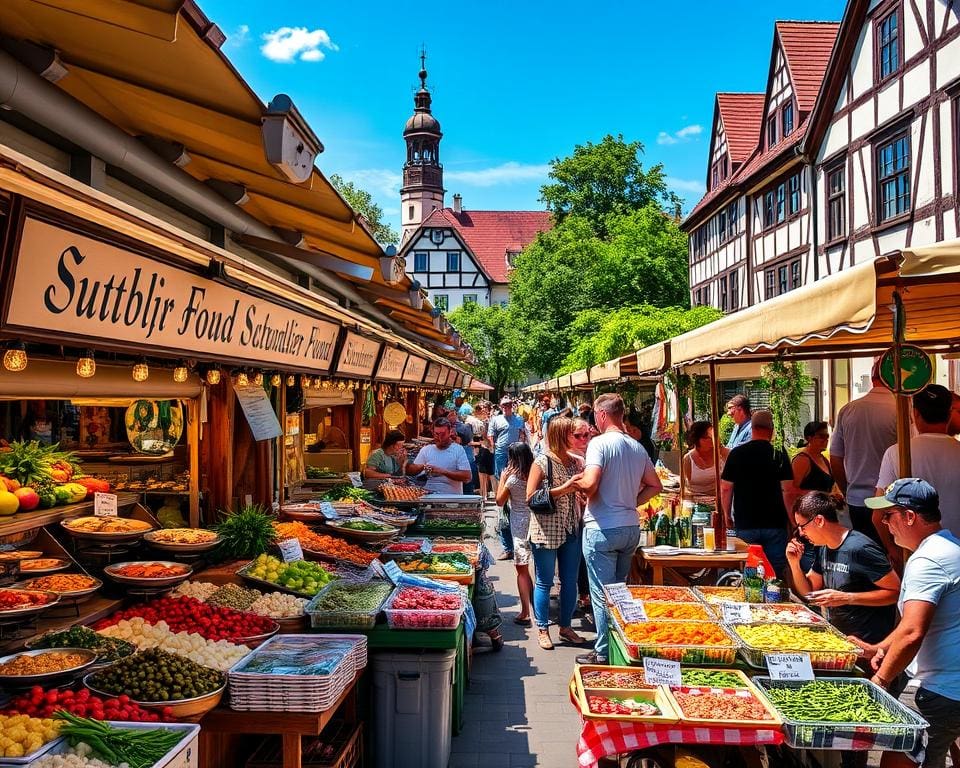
(554, 535)
(513, 489)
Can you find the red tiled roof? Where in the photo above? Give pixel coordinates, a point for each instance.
(807, 46)
(490, 234)
(742, 116)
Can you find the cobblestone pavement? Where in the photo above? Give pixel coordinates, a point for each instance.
(517, 710)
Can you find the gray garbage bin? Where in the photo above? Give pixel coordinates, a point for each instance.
(412, 695)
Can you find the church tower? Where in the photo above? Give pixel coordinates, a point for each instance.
(422, 190)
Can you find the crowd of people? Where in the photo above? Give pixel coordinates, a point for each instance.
(877, 553)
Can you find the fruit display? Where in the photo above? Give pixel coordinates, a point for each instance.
(347, 494)
(454, 563)
(420, 608)
(157, 676)
(828, 649)
(717, 595)
(349, 605)
(246, 533)
(301, 576)
(399, 492)
(108, 649)
(20, 599)
(628, 705)
(722, 705)
(601, 678)
(233, 596)
(106, 525)
(135, 748)
(62, 583)
(689, 642)
(216, 654)
(22, 735)
(40, 703)
(183, 536)
(185, 614)
(34, 475)
(330, 547)
(42, 663)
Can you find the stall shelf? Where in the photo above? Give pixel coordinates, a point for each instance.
(26, 521)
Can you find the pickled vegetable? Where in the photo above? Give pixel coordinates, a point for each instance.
(830, 702)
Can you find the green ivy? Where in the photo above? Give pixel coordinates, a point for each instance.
(786, 384)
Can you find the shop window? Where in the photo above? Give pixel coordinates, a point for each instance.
(410, 213)
(420, 261)
(836, 204)
(442, 302)
(889, 51)
(893, 177)
(453, 261)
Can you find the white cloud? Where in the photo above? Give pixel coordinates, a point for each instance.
(240, 37)
(377, 181)
(686, 133)
(505, 173)
(289, 43)
(693, 186)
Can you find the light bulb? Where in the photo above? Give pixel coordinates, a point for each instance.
(304, 381)
(86, 365)
(15, 358)
(181, 372)
(141, 371)
(275, 380)
(328, 384)
(213, 376)
(242, 380)
(318, 383)
(341, 385)
(291, 380)
(258, 378)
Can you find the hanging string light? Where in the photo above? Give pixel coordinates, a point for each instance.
(242, 379)
(86, 365)
(141, 371)
(291, 379)
(341, 385)
(318, 383)
(213, 376)
(181, 372)
(304, 381)
(275, 379)
(15, 358)
(258, 378)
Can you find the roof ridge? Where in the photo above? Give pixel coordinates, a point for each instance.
(741, 93)
(494, 210)
(806, 21)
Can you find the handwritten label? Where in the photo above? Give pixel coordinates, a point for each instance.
(290, 550)
(736, 613)
(392, 571)
(327, 510)
(789, 666)
(377, 568)
(618, 592)
(632, 611)
(105, 504)
(355, 479)
(661, 672)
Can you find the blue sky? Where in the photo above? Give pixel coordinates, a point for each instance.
(515, 85)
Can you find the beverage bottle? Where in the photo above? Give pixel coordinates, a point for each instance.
(720, 531)
(663, 529)
(675, 533)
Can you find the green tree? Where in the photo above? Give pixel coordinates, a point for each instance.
(602, 179)
(362, 202)
(497, 343)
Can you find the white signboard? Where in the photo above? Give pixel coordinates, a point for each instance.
(789, 666)
(259, 411)
(736, 613)
(661, 672)
(290, 550)
(632, 611)
(105, 504)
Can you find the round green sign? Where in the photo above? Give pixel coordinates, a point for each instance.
(916, 369)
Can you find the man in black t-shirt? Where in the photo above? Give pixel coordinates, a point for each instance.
(752, 485)
(851, 576)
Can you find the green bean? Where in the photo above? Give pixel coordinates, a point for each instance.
(827, 701)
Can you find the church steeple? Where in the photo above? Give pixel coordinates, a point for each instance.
(422, 190)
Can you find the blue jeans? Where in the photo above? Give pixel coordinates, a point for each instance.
(774, 543)
(545, 562)
(608, 554)
(506, 535)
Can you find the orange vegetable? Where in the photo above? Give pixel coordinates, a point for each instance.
(326, 545)
(668, 594)
(150, 570)
(676, 633)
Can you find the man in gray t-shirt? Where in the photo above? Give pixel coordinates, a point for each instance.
(617, 478)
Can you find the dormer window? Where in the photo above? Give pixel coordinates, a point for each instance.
(771, 131)
(512, 258)
(787, 118)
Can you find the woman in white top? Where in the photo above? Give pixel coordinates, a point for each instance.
(699, 474)
(513, 488)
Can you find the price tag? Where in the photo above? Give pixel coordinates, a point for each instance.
(377, 567)
(789, 666)
(355, 479)
(290, 550)
(392, 571)
(661, 672)
(632, 611)
(105, 504)
(248, 500)
(618, 592)
(327, 510)
(736, 613)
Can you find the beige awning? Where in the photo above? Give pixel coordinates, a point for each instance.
(654, 359)
(609, 371)
(580, 378)
(932, 260)
(564, 382)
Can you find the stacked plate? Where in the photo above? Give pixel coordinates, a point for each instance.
(297, 673)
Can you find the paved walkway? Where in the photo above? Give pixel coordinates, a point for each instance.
(517, 710)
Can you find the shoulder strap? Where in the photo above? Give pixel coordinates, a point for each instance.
(550, 471)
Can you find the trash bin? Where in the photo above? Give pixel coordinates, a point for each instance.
(412, 708)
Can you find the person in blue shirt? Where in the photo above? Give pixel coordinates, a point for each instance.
(738, 409)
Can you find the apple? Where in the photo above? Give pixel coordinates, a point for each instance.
(28, 498)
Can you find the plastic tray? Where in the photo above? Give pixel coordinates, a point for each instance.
(800, 614)
(722, 655)
(717, 595)
(773, 723)
(189, 733)
(810, 734)
(405, 619)
(346, 619)
(585, 669)
(827, 661)
(646, 592)
(744, 681)
(653, 606)
(658, 696)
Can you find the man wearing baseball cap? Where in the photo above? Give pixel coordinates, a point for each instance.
(502, 432)
(926, 640)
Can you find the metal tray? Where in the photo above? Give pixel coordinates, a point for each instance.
(115, 537)
(372, 537)
(269, 585)
(144, 581)
(166, 546)
(60, 745)
(33, 610)
(31, 572)
(713, 655)
(25, 681)
(75, 594)
(828, 661)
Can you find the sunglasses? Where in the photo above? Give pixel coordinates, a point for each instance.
(800, 528)
(581, 435)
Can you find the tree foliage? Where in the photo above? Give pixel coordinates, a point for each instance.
(362, 202)
(497, 343)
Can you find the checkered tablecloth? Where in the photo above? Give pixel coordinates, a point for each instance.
(604, 738)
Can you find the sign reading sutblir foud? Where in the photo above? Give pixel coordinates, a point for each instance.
(391, 365)
(358, 355)
(70, 284)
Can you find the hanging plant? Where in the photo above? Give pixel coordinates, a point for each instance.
(786, 384)
(700, 392)
(369, 409)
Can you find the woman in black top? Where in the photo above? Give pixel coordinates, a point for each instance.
(811, 472)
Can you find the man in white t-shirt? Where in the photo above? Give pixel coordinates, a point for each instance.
(444, 461)
(934, 456)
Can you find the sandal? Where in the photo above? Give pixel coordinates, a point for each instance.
(568, 634)
(522, 622)
(544, 639)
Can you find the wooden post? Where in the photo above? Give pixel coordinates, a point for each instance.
(282, 443)
(903, 408)
(193, 449)
(720, 523)
(680, 445)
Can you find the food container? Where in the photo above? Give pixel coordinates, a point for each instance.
(124, 649)
(658, 594)
(733, 678)
(149, 581)
(657, 697)
(685, 653)
(51, 599)
(657, 611)
(404, 548)
(76, 595)
(749, 692)
(422, 618)
(372, 537)
(347, 619)
(43, 565)
(901, 736)
(60, 743)
(190, 733)
(138, 529)
(606, 678)
(824, 660)
(270, 586)
(180, 548)
(182, 709)
(60, 676)
(784, 613)
(717, 595)
(254, 641)
(460, 576)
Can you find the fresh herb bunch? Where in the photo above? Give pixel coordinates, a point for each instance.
(246, 533)
(339, 492)
(136, 748)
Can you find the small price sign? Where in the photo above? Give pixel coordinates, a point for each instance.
(736, 613)
(327, 510)
(393, 572)
(618, 592)
(105, 504)
(632, 611)
(290, 550)
(355, 479)
(661, 672)
(789, 666)
(376, 568)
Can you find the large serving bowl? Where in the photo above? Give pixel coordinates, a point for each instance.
(151, 582)
(106, 530)
(339, 526)
(26, 611)
(181, 709)
(60, 676)
(166, 540)
(252, 641)
(71, 594)
(41, 566)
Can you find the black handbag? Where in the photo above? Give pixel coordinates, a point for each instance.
(542, 503)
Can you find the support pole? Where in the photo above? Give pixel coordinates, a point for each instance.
(902, 400)
(680, 446)
(719, 516)
(193, 448)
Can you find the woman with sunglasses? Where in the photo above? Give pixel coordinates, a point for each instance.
(811, 470)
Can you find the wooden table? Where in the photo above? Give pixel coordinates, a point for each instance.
(661, 565)
(221, 724)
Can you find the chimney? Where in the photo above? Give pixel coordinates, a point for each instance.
(457, 203)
